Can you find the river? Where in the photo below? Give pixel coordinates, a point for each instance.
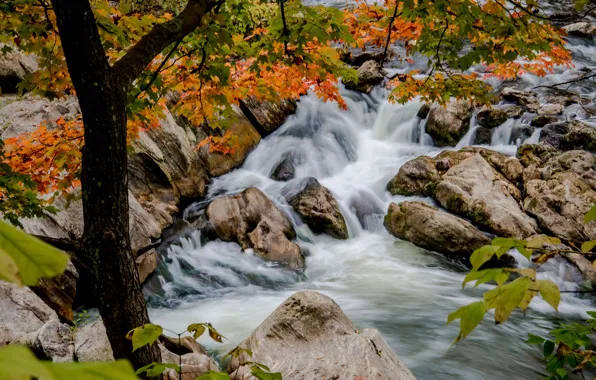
(379, 281)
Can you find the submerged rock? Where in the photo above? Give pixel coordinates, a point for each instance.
(448, 125)
(483, 136)
(253, 221)
(285, 170)
(416, 177)
(432, 229)
(319, 210)
(309, 337)
(369, 75)
(476, 191)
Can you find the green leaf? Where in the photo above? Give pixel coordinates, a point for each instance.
(470, 316)
(19, 362)
(591, 215)
(549, 347)
(487, 275)
(542, 240)
(505, 298)
(262, 375)
(212, 375)
(535, 339)
(216, 336)
(482, 255)
(588, 246)
(33, 258)
(9, 271)
(144, 335)
(196, 329)
(549, 291)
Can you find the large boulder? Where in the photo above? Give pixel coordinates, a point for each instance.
(267, 117)
(309, 337)
(253, 221)
(21, 312)
(580, 162)
(14, 66)
(194, 359)
(59, 292)
(447, 125)
(319, 210)
(370, 74)
(432, 229)
(55, 340)
(416, 177)
(560, 203)
(475, 190)
(569, 136)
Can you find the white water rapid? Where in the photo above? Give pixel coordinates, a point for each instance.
(379, 281)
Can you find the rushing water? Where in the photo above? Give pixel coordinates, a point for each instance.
(379, 281)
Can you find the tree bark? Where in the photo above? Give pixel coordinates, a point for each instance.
(106, 242)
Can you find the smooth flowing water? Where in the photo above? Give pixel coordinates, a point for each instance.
(379, 281)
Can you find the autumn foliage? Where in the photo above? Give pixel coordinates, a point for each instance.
(275, 50)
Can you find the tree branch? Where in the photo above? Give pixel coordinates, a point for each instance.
(129, 67)
(391, 20)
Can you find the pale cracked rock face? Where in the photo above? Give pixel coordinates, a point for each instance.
(433, 229)
(560, 203)
(309, 337)
(474, 190)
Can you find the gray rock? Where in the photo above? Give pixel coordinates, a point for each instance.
(560, 203)
(584, 29)
(14, 66)
(55, 340)
(21, 312)
(319, 210)
(542, 120)
(416, 177)
(527, 99)
(369, 75)
(483, 136)
(285, 170)
(423, 111)
(570, 136)
(309, 337)
(267, 117)
(476, 191)
(194, 364)
(520, 133)
(550, 109)
(432, 229)
(448, 125)
(491, 117)
(91, 343)
(253, 221)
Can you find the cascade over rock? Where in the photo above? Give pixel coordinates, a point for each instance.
(309, 337)
(253, 221)
(448, 125)
(433, 229)
(319, 210)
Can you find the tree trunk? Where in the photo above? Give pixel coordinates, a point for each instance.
(106, 241)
